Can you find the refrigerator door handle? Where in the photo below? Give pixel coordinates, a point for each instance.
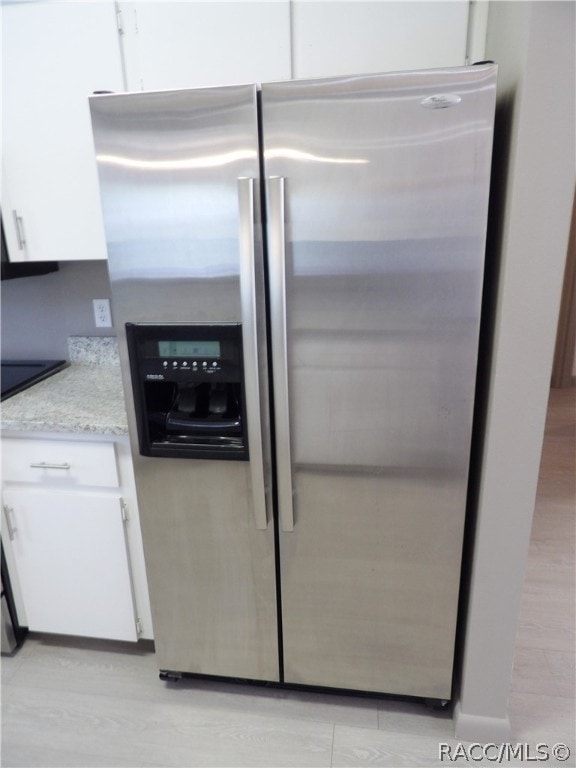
(250, 347)
(277, 274)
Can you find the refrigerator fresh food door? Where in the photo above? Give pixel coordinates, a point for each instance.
(179, 177)
(377, 194)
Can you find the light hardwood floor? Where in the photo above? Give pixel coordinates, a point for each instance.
(89, 703)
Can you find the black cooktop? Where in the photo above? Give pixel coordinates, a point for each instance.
(21, 374)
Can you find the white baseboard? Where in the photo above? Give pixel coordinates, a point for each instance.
(480, 729)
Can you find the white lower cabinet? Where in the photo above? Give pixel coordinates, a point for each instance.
(70, 554)
(72, 537)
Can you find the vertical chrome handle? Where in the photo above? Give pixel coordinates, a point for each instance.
(8, 512)
(277, 275)
(250, 348)
(19, 225)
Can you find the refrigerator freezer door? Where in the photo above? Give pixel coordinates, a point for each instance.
(182, 218)
(386, 190)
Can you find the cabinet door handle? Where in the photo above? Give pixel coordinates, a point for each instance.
(47, 465)
(8, 511)
(19, 224)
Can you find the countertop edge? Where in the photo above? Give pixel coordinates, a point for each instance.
(82, 399)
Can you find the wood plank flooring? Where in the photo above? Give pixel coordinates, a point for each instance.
(543, 683)
(92, 703)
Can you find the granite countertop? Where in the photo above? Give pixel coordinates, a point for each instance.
(86, 397)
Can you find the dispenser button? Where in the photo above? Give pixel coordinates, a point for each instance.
(165, 364)
(204, 365)
(214, 365)
(174, 364)
(185, 364)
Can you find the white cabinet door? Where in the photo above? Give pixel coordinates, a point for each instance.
(54, 56)
(72, 563)
(194, 44)
(353, 37)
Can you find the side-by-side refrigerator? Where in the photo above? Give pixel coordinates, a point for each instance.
(296, 276)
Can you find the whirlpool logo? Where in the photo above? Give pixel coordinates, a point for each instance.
(441, 101)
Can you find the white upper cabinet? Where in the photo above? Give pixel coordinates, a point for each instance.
(346, 38)
(194, 44)
(54, 56)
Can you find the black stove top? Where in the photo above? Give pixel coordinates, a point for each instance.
(21, 374)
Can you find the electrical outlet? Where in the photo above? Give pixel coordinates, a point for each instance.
(102, 316)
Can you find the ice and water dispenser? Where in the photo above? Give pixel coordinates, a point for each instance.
(188, 389)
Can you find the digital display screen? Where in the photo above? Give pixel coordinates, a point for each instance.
(189, 348)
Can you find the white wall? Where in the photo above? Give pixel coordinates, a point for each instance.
(533, 44)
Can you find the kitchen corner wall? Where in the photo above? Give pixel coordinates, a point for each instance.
(39, 313)
(534, 182)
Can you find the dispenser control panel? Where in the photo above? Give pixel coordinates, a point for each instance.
(188, 387)
(198, 355)
(177, 359)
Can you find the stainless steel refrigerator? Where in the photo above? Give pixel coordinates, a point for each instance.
(296, 276)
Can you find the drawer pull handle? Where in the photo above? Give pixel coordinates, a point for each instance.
(46, 465)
